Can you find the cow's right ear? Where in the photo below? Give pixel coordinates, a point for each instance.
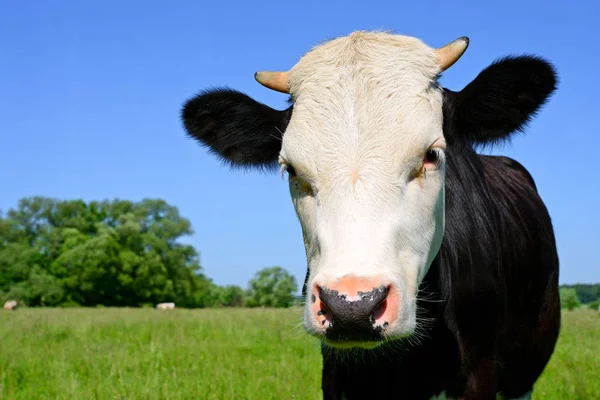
(235, 127)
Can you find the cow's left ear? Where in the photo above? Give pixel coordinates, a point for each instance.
(499, 101)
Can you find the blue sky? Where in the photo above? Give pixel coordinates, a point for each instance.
(90, 94)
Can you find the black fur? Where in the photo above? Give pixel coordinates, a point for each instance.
(501, 100)
(489, 311)
(489, 308)
(235, 127)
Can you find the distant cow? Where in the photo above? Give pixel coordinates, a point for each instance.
(11, 305)
(165, 306)
(431, 269)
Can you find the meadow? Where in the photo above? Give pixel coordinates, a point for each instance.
(120, 353)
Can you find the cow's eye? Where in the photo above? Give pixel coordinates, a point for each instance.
(432, 156)
(299, 185)
(291, 171)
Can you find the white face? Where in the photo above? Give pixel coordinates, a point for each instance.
(365, 142)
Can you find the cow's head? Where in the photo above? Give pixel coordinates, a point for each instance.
(364, 145)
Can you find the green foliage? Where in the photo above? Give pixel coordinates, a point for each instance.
(568, 298)
(594, 305)
(113, 253)
(271, 287)
(586, 293)
(225, 296)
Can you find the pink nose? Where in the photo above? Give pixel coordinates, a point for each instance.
(355, 309)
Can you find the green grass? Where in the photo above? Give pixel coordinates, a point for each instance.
(574, 370)
(211, 354)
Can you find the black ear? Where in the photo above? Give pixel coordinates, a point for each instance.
(499, 101)
(235, 127)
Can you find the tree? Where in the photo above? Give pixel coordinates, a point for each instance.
(225, 296)
(233, 296)
(568, 298)
(586, 293)
(113, 253)
(271, 287)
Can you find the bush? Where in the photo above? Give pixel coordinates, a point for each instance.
(568, 298)
(271, 287)
(594, 305)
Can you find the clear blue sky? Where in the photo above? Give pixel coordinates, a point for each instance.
(90, 94)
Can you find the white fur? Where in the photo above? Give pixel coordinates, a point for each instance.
(165, 306)
(11, 305)
(366, 109)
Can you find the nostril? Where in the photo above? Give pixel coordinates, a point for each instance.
(379, 311)
(324, 314)
(322, 309)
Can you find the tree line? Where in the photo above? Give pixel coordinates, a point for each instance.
(574, 296)
(116, 253)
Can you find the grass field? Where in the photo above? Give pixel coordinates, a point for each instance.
(211, 354)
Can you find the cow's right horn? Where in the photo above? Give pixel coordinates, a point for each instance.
(450, 53)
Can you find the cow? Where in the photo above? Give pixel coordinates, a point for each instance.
(165, 306)
(432, 269)
(11, 305)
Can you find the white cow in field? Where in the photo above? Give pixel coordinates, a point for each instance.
(10, 305)
(165, 306)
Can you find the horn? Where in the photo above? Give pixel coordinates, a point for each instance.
(450, 53)
(273, 80)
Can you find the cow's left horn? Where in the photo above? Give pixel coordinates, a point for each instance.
(273, 80)
(450, 53)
